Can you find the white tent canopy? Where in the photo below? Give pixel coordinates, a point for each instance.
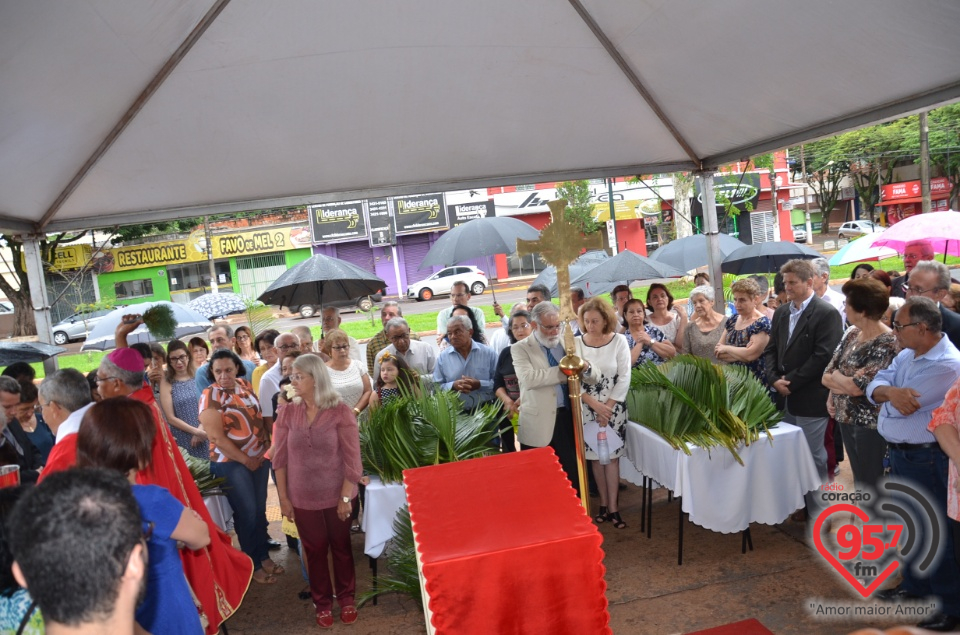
(121, 111)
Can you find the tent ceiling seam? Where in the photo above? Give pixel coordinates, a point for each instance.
(621, 62)
(141, 100)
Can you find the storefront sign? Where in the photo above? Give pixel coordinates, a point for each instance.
(626, 198)
(379, 222)
(419, 213)
(337, 221)
(66, 257)
(464, 212)
(152, 255)
(939, 188)
(259, 241)
(743, 194)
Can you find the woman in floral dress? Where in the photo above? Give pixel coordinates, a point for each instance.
(604, 401)
(747, 333)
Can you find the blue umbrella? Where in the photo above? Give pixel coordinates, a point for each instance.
(218, 304)
(101, 337)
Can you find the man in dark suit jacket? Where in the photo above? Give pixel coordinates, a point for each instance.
(931, 279)
(805, 333)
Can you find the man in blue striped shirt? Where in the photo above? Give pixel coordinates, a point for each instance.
(914, 385)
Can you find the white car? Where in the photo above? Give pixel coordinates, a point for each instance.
(856, 228)
(799, 234)
(440, 282)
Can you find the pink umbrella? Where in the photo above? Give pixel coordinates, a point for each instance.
(941, 229)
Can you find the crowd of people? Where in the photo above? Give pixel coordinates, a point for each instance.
(865, 374)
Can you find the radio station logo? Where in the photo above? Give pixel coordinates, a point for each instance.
(889, 534)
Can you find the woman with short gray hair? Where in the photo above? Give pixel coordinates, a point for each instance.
(706, 327)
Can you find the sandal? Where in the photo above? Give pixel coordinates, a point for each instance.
(601, 516)
(266, 578)
(273, 568)
(325, 619)
(348, 614)
(614, 517)
(305, 594)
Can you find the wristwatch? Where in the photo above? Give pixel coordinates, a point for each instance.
(345, 499)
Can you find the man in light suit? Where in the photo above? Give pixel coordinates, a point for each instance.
(545, 415)
(804, 334)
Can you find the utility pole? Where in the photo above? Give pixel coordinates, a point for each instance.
(806, 201)
(213, 269)
(612, 223)
(924, 162)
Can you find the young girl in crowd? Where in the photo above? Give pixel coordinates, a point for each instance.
(117, 434)
(395, 379)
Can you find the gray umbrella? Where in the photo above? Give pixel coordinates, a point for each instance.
(321, 279)
(765, 257)
(589, 260)
(29, 352)
(478, 238)
(624, 268)
(692, 251)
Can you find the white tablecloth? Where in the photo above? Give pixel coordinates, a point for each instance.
(718, 493)
(381, 505)
(220, 511)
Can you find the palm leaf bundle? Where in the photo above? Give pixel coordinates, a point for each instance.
(160, 321)
(689, 400)
(423, 428)
(207, 483)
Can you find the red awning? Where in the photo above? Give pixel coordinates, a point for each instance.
(917, 199)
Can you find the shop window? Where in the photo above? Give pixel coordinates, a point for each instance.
(133, 289)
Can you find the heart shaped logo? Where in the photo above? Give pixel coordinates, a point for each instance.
(832, 559)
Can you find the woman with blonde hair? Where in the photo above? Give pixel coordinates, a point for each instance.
(604, 402)
(348, 376)
(317, 462)
(747, 333)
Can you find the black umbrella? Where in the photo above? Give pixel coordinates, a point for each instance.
(29, 352)
(586, 262)
(479, 238)
(321, 279)
(625, 267)
(765, 257)
(691, 252)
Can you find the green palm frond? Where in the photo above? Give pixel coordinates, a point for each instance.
(207, 483)
(688, 400)
(404, 578)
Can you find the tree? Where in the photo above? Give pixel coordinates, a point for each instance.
(944, 137)
(24, 322)
(579, 210)
(826, 167)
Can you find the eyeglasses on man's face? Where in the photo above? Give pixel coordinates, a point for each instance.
(896, 326)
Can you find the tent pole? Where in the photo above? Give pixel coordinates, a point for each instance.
(38, 296)
(714, 258)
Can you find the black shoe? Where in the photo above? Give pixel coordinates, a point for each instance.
(940, 623)
(273, 545)
(895, 594)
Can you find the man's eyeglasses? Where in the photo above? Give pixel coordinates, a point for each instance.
(100, 380)
(555, 327)
(896, 326)
(287, 347)
(399, 338)
(917, 290)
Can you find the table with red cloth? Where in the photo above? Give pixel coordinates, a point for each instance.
(504, 546)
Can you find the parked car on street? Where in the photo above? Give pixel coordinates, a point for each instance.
(363, 303)
(76, 326)
(799, 234)
(854, 228)
(440, 282)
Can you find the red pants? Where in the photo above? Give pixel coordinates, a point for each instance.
(322, 532)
